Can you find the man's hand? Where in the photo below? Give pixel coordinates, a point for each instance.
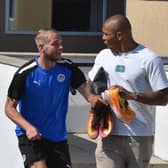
(124, 93)
(96, 100)
(32, 133)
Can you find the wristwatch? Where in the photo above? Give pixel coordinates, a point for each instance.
(135, 95)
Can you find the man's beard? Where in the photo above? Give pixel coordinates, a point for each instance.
(52, 58)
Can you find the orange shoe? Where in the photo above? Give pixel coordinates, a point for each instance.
(92, 132)
(119, 105)
(105, 131)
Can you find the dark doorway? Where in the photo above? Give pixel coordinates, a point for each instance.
(116, 7)
(71, 15)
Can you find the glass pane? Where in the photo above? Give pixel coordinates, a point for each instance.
(77, 15)
(63, 15)
(29, 15)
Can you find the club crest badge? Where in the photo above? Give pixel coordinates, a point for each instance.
(60, 77)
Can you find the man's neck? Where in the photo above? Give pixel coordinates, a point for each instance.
(128, 46)
(46, 63)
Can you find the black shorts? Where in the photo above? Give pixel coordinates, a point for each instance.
(56, 154)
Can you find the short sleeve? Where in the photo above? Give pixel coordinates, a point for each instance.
(95, 67)
(156, 74)
(16, 87)
(77, 77)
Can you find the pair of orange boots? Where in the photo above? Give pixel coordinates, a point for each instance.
(118, 105)
(100, 122)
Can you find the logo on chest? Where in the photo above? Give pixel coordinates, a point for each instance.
(120, 68)
(60, 77)
(37, 82)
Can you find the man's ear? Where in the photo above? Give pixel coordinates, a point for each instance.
(40, 47)
(119, 35)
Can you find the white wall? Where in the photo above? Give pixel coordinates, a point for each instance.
(161, 134)
(9, 154)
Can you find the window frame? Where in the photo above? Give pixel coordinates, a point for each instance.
(67, 33)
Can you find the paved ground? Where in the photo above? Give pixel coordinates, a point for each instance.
(82, 153)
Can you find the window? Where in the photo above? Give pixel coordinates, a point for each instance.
(75, 15)
(11, 9)
(27, 15)
(68, 16)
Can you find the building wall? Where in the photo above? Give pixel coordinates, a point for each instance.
(149, 19)
(72, 44)
(150, 23)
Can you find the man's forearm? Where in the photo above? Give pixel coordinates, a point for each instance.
(14, 115)
(153, 98)
(85, 90)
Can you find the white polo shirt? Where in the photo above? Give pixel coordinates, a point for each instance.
(139, 70)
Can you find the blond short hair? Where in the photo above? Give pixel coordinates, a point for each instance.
(42, 35)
